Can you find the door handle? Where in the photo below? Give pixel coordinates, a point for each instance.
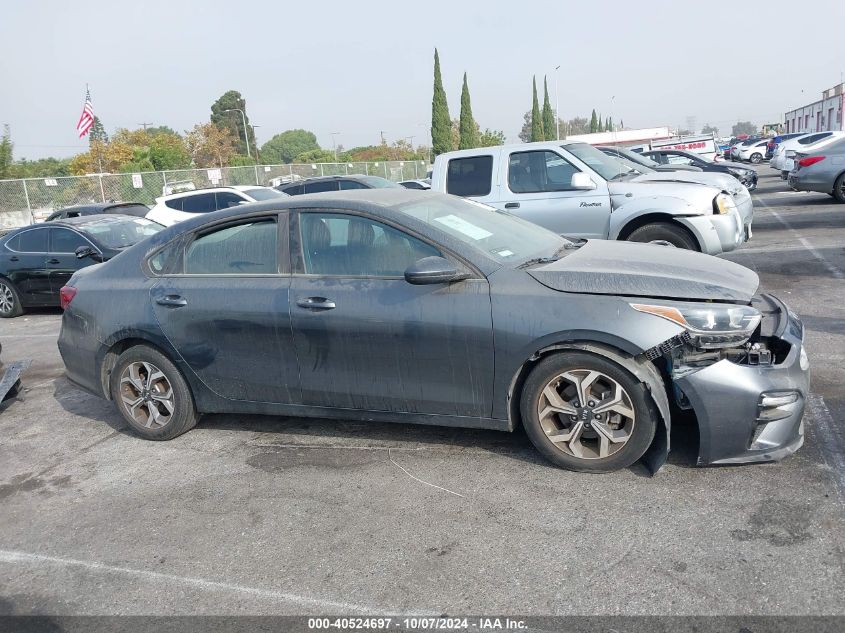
(512, 205)
(316, 303)
(13, 259)
(172, 301)
(53, 261)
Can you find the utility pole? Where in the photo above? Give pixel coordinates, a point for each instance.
(334, 145)
(145, 125)
(383, 142)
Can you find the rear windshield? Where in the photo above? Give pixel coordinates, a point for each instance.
(120, 233)
(138, 210)
(264, 193)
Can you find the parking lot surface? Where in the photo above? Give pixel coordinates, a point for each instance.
(249, 514)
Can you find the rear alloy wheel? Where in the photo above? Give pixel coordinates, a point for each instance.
(839, 189)
(586, 413)
(756, 158)
(10, 302)
(151, 394)
(663, 233)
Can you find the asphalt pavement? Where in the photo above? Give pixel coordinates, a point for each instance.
(250, 514)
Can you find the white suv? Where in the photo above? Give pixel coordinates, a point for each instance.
(169, 210)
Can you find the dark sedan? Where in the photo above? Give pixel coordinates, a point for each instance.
(36, 261)
(746, 175)
(336, 183)
(137, 209)
(413, 306)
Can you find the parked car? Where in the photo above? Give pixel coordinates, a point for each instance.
(567, 187)
(639, 158)
(822, 170)
(137, 209)
(777, 140)
(36, 261)
(753, 151)
(410, 306)
(737, 147)
(336, 183)
(177, 207)
(784, 154)
(416, 184)
(673, 157)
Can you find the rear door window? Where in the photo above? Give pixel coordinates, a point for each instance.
(226, 199)
(247, 248)
(539, 171)
(352, 184)
(200, 203)
(470, 176)
(33, 241)
(321, 186)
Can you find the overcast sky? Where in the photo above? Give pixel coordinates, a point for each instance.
(359, 68)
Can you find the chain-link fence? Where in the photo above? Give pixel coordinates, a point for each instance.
(33, 199)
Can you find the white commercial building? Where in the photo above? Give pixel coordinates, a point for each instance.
(820, 116)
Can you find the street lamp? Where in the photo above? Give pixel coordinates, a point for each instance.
(557, 105)
(334, 146)
(246, 132)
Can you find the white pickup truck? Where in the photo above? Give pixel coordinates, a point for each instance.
(575, 190)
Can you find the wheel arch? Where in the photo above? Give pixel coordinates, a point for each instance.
(651, 218)
(120, 345)
(645, 371)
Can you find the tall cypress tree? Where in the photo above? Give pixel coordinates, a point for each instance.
(441, 124)
(548, 115)
(594, 122)
(468, 128)
(536, 118)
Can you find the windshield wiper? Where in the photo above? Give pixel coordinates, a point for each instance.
(538, 260)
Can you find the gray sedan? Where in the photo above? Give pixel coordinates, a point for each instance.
(822, 171)
(409, 306)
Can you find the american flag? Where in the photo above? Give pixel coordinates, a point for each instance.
(86, 119)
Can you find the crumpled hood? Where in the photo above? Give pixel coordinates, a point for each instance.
(647, 270)
(723, 182)
(696, 197)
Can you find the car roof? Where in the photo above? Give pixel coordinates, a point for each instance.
(193, 192)
(513, 146)
(81, 221)
(99, 206)
(335, 177)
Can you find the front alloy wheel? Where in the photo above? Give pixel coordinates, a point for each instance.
(10, 305)
(586, 412)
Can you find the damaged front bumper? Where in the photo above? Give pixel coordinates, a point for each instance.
(749, 405)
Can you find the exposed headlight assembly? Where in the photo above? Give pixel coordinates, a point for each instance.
(710, 326)
(723, 204)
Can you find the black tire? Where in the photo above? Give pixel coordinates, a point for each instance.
(9, 294)
(838, 192)
(664, 232)
(756, 158)
(184, 415)
(644, 424)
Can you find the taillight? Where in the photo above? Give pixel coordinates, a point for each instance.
(810, 160)
(66, 295)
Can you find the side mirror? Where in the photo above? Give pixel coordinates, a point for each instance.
(582, 181)
(432, 270)
(88, 251)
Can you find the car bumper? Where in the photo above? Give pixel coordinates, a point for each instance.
(716, 233)
(80, 353)
(742, 413)
(806, 181)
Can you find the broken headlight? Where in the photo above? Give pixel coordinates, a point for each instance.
(710, 326)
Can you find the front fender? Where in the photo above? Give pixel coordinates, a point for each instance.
(631, 209)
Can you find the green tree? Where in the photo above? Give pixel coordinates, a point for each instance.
(441, 124)
(239, 160)
(161, 129)
(468, 127)
(285, 147)
(233, 121)
(168, 151)
(594, 122)
(491, 138)
(6, 148)
(97, 132)
(744, 127)
(549, 127)
(536, 118)
(709, 129)
(317, 156)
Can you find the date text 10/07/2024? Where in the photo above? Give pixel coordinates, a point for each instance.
(417, 624)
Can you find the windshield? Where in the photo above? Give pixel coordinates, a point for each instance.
(264, 193)
(377, 182)
(605, 166)
(500, 235)
(121, 233)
